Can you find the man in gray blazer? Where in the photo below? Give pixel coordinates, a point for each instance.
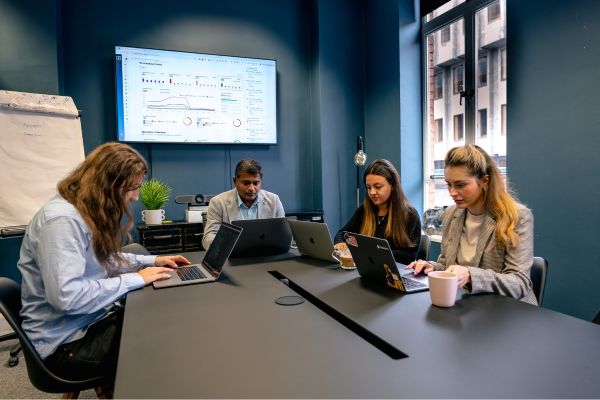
(245, 201)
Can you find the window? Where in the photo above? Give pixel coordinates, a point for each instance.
(503, 128)
(459, 129)
(439, 85)
(482, 123)
(439, 127)
(503, 64)
(493, 11)
(482, 69)
(445, 35)
(457, 78)
(473, 62)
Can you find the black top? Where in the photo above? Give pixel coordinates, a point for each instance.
(405, 255)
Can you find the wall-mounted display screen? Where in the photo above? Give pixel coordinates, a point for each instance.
(176, 97)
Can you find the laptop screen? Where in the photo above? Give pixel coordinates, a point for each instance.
(221, 248)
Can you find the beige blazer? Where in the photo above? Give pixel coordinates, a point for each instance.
(496, 268)
(224, 208)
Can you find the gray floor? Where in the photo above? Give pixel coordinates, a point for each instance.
(14, 382)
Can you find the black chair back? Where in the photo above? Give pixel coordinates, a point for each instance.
(538, 273)
(423, 251)
(39, 375)
(135, 248)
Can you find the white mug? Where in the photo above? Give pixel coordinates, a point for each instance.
(153, 217)
(442, 288)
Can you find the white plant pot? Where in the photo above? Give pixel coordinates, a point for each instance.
(153, 217)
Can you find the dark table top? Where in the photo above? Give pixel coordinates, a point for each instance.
(230, 339)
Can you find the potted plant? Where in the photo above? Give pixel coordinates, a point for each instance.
(154, 194)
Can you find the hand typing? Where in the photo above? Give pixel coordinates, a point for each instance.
(420, 266)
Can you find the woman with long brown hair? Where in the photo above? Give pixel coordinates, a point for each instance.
(487, 238)
(73, 271)
(385, 213)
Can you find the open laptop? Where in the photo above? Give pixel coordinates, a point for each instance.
(313, 239)
(212, 264)
(262, 237)
(375, 261)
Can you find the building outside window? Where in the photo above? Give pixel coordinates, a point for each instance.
(503, 111)
(503, 64)
(475, 109)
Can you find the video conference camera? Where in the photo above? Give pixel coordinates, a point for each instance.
(197, 206)
(194, 199)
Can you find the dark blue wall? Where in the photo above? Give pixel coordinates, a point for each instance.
(266, 29)
(28, 63)
(554, 145)
(393, 121)
(338, 109)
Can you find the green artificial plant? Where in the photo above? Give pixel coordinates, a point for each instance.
(154, 194)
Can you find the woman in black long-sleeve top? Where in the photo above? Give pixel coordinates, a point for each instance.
(385, 213)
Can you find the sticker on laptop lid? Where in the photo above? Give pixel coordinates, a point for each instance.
(392, 279)
(350, 240)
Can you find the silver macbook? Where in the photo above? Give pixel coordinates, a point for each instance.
(375, 261)
(262, 237)
(212, 264)
(313, 239)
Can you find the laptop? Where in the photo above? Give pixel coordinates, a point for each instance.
(262, 237)
(313, 239)
(375, 261)
(212, 264)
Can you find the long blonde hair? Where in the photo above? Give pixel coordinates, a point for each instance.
(498, 201)
(97, 189)
(398, 207)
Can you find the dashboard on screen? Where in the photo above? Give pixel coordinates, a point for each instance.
(176, 97)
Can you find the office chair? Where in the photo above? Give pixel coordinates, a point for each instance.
(135, 248)
(13, 360)
(539, 269)
(39, 375)
(423, 251)
(14, 351)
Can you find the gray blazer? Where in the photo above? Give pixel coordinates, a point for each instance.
(224, 208)
(496, 268)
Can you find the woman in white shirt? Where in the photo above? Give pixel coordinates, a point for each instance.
(487, 237)
(73, 271)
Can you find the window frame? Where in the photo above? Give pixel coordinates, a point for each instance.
(467, 12)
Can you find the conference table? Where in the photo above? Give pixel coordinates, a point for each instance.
(348, 339)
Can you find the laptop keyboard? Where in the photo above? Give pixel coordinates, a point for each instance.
(189, 273)
(412, 284)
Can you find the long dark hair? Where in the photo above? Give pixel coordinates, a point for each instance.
(97, 188)
(398, 206)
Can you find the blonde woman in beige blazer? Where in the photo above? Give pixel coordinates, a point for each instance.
(487, 235)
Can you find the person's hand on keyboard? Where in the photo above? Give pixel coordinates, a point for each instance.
(171, 261)
(151, 274)
(420, 266)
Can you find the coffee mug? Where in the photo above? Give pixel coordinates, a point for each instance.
(344, 258)
(442, 288)
(153, 217)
